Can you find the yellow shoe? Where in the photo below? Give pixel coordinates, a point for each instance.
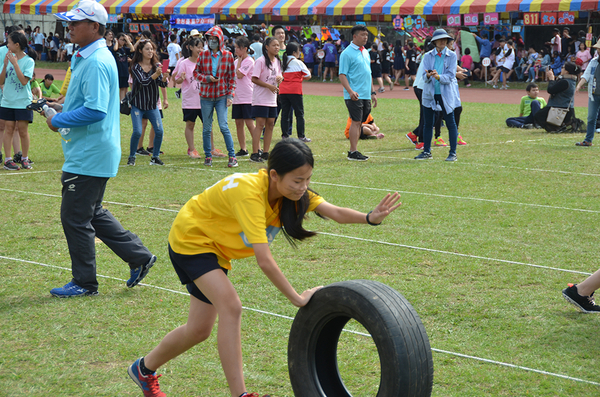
(460, 141)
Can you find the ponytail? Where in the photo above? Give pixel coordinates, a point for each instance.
(289, 50)
(286, 156)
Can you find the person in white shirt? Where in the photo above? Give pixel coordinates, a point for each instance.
(256, 46)
(174, 51)
(505, 61)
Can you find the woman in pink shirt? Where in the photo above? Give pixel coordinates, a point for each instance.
(241, 111)
(584, 55)
(266, 77)
(190, 91)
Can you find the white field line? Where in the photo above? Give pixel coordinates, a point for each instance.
(455, 253)
(352, 238)
(460, 197)
(349, 331)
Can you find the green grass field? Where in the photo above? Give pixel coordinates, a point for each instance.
(481, 248)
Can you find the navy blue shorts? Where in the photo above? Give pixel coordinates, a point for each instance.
(191, 267)
(9, 114)
(266, 112)
(329, 64)
(241, 111)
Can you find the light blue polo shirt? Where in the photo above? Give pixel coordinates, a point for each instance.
(18, 96)
(215, 58)
(356, 65)
(94, 149)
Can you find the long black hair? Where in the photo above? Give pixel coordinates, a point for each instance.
(288, 155)
(191, 42)
(266, 52)
(18, 37)
(289, 50)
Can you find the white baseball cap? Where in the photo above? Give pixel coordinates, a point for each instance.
(85, 9)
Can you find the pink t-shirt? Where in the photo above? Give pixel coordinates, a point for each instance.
(467, 62)
(262, 96)
(244, 86)
(190, 88)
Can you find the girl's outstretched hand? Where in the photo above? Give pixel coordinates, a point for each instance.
(385, 207)
(306, 295)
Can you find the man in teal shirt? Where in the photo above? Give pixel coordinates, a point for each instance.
(91, 144)
(355, 76)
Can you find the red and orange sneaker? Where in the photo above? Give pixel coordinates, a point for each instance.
(412, 138)
(148, 383)
(460, 141)
(253, 395)
(419, 146)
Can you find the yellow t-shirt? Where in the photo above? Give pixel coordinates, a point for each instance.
(228, 217)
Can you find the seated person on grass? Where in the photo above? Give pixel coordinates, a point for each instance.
(530, 105)
(368, 129)
(48, 88)
(36, 91)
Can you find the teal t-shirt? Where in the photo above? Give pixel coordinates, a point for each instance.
(355, 64)
(94, 149)
(16, 95)
(3, 52)
(439, 66)
(48, 91)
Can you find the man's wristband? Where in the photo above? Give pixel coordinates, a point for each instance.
(373, 93)
(371, 223)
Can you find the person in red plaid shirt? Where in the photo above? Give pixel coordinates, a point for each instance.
(216, 72)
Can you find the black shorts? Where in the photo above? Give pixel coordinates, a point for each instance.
(9, 114)
(376, 73)
(192, 114)
(266, 112)
(159, 111)
(505, 70)
(241, 111)
(412, 71)
(39, 47)
(310, 66)
(329, 64)
(359, 110)
(171, 68)
(191, 267)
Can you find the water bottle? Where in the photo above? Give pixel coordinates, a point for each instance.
(51, 112)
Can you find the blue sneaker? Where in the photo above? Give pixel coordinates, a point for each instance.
(138, 274)
(71, 290)
(148, 383)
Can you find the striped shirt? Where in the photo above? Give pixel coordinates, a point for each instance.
(145, 88)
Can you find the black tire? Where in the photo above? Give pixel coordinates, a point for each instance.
(397, 330)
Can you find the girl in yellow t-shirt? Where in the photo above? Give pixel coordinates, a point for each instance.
(238, 217)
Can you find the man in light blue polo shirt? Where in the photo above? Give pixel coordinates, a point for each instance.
(92, 152)
(355, 75)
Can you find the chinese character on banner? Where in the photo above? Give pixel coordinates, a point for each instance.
(531, 18)
(419, 22)
(453, 20)
(566, 18)
(471, 19)
(548, 18)
(490, 18)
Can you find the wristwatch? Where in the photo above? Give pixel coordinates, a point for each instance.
(373, 93)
